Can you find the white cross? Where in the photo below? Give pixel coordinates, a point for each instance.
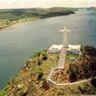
(65, 38)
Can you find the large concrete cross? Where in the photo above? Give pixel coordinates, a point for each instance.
(65, 36)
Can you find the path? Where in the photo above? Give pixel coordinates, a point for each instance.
(60, 65)
(66, 84)
(62, 58)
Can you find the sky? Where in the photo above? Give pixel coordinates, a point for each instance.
(46, 3)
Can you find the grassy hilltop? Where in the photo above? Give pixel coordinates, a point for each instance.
(32, 79)
(12, 16)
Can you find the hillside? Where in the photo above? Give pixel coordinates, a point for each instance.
(79, 75)
(92, 8)
(11, 16)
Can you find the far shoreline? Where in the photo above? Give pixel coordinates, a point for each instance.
(18, 23)
(22, 21)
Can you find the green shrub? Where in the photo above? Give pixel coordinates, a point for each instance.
(2, 93)
(44, 56)
(39, 61)
(40, 76)
(93, 82)
(38, 54)
(73, 71)
(89, 50)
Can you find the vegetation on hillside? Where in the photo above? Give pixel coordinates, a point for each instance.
(12, 16)
(78, 67)
(32, 79)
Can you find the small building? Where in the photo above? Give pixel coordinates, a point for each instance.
(76, 49)
(71, 49)
(55, 48)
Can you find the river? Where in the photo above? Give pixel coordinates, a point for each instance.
(18, 43)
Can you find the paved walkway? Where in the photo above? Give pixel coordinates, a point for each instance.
(61, 63)
(66, 84)
(50, 74)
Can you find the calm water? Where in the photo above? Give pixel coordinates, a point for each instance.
(18, 43)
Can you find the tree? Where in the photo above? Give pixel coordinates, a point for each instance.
(93, 82)
(38, 54)
(44, 56)
(39, 61)
(89, 50)
(40, 75)
(73, 71)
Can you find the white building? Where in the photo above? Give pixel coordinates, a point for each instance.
(71, 49)
(76, 49)
(55, 48)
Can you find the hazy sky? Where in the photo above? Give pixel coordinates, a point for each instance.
(46, 3)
